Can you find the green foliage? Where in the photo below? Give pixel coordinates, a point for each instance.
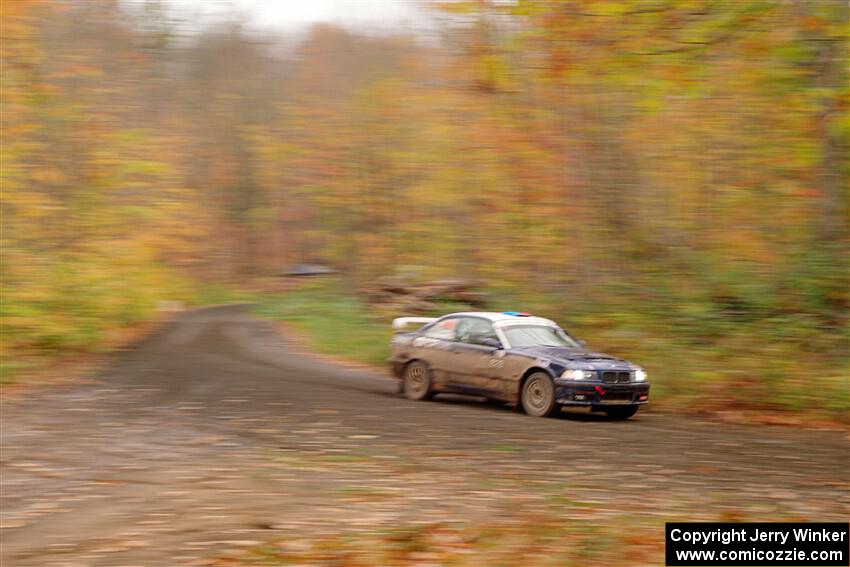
(670, 178)
(78, 304)
(335, 322)
(697, 357)
(706, 353)
(216, 293)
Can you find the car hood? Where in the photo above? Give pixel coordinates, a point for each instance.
(566, 355)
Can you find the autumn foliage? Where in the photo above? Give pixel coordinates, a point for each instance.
(669, 176)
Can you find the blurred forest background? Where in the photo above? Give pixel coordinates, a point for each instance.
(669, 178)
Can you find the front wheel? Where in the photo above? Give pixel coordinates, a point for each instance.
(416, 384)
(538, 395)
(624, 412)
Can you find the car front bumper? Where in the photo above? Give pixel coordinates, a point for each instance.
(601, 395)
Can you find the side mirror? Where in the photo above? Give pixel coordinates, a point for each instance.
(582, 343)
(491, 342)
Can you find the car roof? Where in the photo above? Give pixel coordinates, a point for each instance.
(505, 319)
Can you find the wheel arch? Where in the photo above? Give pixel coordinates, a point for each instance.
(410, 361)
(529, 371)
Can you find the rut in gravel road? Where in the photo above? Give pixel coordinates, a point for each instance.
(212, 435)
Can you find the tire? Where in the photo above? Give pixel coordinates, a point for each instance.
(538, 395)
(624, 412)
(416, 383)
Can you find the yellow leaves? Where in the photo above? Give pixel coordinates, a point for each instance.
(460, 6)
(595, 127)
(48, 176)
(17, 16)
(609, 8)
(28, 206)
(495, 73)
(743, 242)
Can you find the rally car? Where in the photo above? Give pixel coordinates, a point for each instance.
(513, 358)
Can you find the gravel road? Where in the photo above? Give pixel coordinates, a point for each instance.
(214, 435)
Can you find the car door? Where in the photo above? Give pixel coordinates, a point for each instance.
(434, 347)
(506, 373)
(471, 360)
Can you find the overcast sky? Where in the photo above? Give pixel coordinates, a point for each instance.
(289, 14)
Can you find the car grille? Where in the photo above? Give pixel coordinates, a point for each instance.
(616, 377)
(611, 396)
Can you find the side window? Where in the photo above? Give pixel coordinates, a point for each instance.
(443, 330)
(473, 330)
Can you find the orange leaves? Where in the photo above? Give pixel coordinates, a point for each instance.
(813, 23)
(601, 129)
(17, 14)
(72, 70)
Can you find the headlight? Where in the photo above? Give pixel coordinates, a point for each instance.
(640, 375)
(578, 374)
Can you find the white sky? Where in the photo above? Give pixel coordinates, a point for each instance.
(289, 14)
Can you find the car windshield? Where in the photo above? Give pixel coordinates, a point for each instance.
(538, 335)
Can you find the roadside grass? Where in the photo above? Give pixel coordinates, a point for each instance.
(217, 294)
(334, 322)
(695, 365)
(788, 367)
(49, 334)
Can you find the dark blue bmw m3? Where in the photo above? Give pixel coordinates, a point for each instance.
(515, 358)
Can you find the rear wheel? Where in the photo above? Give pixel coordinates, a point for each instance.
(624, 412)
(417, 381)
(538, 395)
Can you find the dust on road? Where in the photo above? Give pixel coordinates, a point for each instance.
(213, 435)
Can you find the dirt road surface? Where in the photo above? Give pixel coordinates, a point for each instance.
(213, 435)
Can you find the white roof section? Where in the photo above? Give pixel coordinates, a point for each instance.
(505, 320)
